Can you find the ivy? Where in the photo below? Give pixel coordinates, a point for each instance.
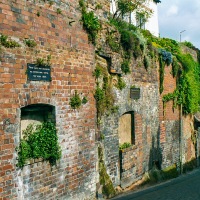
(161, 70)
(39, 141)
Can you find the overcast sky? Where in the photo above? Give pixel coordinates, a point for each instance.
(178, 15)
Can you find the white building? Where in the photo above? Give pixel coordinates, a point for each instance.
(152, 22)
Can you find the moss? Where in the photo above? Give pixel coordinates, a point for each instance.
(107, 189)
(190, 165)
(155, 175)
(170, 172)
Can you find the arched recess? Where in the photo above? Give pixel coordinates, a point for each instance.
(126, 128)
(36, 113)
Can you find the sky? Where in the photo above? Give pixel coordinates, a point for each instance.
(179, 15)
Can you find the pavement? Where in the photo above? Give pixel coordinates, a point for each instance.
(185, 187)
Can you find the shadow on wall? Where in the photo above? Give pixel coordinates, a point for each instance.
(155, 156)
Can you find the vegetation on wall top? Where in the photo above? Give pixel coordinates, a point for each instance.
(90, 22)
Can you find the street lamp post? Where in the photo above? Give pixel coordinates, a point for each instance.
(181, 33)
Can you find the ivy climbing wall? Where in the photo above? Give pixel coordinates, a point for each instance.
(40, 32)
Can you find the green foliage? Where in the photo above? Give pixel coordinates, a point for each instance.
(84, 100)
(98, 6)
(161, 70)
(175, 67)
(97, 72)
(125, 7)
(188, 44)
(99, 94)
(40, 141)
(38, 13)
(155, 175)
(90, 23)
(75, 101)
(124, 145)
(59, 11)
(125, 66)
(146, 62)
(112, 42)
(186, 61)
(104, 97)
(189, 166)
(108, 189)
(169, 96)
(8, 43)
(30, 43)
(121, 83)
(43, 62)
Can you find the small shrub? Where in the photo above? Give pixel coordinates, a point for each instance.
(40, 141)
(42, 62)
(8, 43)
(124, 145)
(84, 100)
(75, 101)
(59, 11)
(97, 72)
(125, 67)
(30, 43)
(90, 23)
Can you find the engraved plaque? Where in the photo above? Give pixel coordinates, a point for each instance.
(134, 93)
(38, 73)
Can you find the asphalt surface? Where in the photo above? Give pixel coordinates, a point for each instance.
(185, 187)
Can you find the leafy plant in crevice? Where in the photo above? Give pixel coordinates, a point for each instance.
(112, 41)
(125, 66)
(59, 11)
(75, 101)
(8, 43)
(121, 83)
(97, 72)
(84, 100)
(146, 62)
(125, 145)
(90, 23)
(43, 62)
(39, 141)
(104, 96)
(30, 43)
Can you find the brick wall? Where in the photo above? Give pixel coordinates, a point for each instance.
(169, 123)
(130, 165)
(72, 60)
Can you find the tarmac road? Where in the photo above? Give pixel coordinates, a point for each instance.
(185, 187)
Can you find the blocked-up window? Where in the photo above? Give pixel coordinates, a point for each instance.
(36, 114)
(126, 128)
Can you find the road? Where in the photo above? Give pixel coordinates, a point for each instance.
(185, 187)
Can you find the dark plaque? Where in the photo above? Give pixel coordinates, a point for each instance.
(38, 73)
(135, 93)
